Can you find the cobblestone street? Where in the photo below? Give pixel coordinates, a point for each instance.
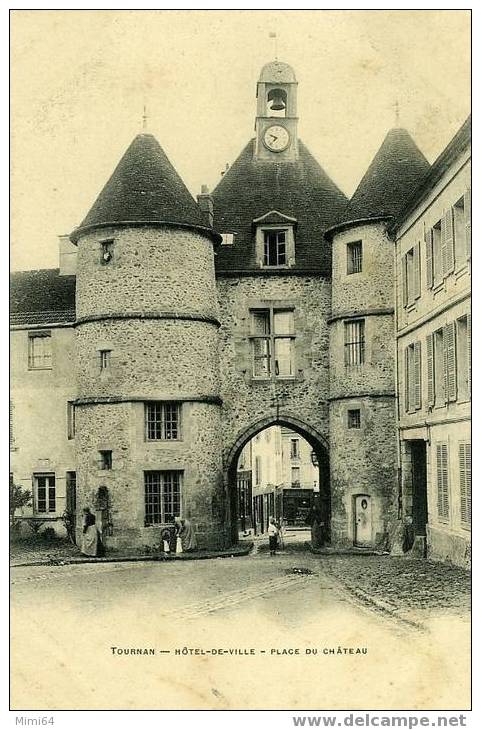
(279, 608)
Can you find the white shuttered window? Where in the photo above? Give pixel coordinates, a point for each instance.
(442, 479)
(465, 482)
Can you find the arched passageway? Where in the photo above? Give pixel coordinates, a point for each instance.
(321, 498)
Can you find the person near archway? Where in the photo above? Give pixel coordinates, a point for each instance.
(91, 543)
(185, 531)
(273, 532)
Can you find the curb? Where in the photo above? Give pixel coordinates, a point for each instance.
(325, 552)
(233, 553)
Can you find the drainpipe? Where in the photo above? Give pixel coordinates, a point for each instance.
(397, 388)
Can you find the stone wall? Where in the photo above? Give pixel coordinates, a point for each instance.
(247, 400)
(363, 460)
(120, 428)
(154, 306)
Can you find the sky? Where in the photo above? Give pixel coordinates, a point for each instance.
(80, 79)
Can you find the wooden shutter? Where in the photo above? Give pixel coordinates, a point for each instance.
(417, 375)
(12, 438)
(467, 219)
(407, 378)
(442, 480)
(404, 268)
(428, 238)
(443, 245)
(449, 346)
(417, 270)
(448, 260)
(430, 368)
(465, 481)
(468, 348)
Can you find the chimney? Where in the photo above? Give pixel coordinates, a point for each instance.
(67, 255)
(206, 205)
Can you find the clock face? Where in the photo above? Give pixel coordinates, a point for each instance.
(276, 138)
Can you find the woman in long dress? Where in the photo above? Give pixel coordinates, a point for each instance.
(185, 531)
(91, 544)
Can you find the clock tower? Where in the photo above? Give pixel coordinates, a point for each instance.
(276, 120)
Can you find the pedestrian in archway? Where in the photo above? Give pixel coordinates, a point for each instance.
(273, 532)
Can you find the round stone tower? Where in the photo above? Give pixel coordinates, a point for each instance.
(148, 409)
(362, 416)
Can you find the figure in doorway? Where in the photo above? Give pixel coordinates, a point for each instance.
(185, 530)
(316, 523)
(273, 532)
(91, 544)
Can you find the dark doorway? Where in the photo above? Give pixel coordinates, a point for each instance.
(419, 481)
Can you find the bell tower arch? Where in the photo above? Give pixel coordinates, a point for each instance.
(276, 120)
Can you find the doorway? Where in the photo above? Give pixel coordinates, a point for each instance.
(362, 520)
(419, 487)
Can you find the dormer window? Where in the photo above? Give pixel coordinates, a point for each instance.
(106, 251)
(227, 239)
(275, 240)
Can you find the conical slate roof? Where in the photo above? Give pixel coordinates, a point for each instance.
(396, 170)
(144, 188)
(302, 190)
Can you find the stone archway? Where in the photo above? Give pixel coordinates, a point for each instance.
(318, 443)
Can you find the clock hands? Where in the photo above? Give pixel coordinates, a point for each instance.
(274, 139)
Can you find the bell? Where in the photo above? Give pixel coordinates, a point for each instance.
(277, 100)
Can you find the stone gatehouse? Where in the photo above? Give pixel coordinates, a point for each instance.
(175, 330)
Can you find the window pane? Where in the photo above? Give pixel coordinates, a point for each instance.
(283, 356)
(261, 357)
(283, 322)
(171, 495)
(260, 322)
(162, 421)
(152, 498)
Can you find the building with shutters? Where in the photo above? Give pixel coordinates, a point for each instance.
(175, 330)
(433, 333)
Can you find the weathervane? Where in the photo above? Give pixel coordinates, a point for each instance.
(144, 118)
(274, 37)
(396, 112)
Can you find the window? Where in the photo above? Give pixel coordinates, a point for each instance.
(104, 356)
(106, 251)
(354, 418)
(258, 470)
(465, 482)
(295, 476)
(412, 377)
(354, 345)
(162, 421)
(70, 420)
(275, 248)
(411, 275)
(295, 454)
(105, 460)
(227, 239)
(463, 358)
(71, 491)
(459, 233)
(354, 257)
(163, 491)
(39, 351)
(272, 343)
(442, 471)
(45, 500)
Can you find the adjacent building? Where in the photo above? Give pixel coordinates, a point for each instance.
(433, 336)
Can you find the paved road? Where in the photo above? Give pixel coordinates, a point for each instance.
(247, 628)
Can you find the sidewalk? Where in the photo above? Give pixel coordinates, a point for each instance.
(68, 557)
